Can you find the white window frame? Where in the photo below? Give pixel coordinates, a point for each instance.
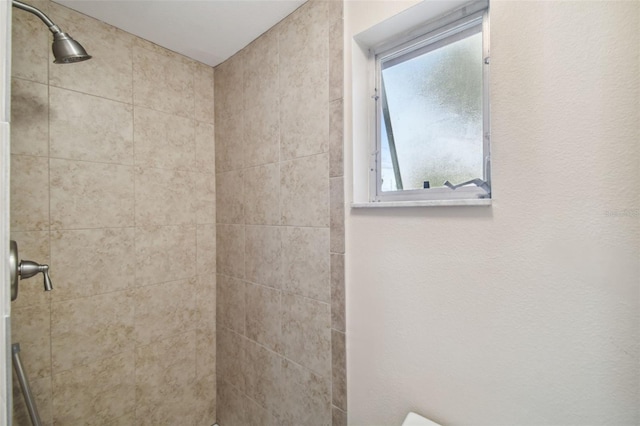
(433, 35)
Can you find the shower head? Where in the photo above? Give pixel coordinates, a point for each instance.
(65, 49)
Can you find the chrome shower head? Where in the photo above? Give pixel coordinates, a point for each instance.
(65, 49)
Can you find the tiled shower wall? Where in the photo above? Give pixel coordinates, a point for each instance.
(280, 225)
(113, 186)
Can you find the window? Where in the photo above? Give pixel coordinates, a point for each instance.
(432, 113)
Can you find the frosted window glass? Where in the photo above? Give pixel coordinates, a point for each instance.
(435, 109)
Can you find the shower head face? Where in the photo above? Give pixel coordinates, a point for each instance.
(66, 50)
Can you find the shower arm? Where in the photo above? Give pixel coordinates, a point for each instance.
(52, 27)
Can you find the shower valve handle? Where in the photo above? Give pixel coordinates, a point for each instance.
(25, 269)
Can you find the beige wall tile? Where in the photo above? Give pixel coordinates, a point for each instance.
(95, 394)
(257, 415)
(41, 390)
(229, 133)
(231, 406)
(263, 375)
(336, 215)
(90, 195)
(30, 326)
(306, 337)
(108, 73)
(263, 316)
(205, 147)
(262, 195)
(231, 303)
(304, 191)
(165, 253)
(29, 207)
(165, 197)
(163, 81)
(336, 52)
(338, 417)
(304, 101)
(90, 128)
(126, 420)
(30, 41)
(164, 310)
(263, 255)
(29, 118)
(306, 397)
(261, 101)
(230, 250)
(32, 245)
(92, 261)
(206, 301)
(164, 140)
(205, 198)
(206, 250)
(230, 356)
(205, 400)
(203, 93)
(90, 328)
(230, 197)
(306, 264)
(336, 139)
(206, 352)
(165, 379)
(339, 370)
(337, 293)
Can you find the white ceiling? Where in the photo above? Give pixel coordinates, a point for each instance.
(208, 31)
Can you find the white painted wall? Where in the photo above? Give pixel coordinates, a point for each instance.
(526, 312)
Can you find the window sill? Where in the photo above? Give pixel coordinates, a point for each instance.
(423, 203)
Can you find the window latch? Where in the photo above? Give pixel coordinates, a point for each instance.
(477, 182)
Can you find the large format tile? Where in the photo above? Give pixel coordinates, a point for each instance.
(205, 147)
(163, 81)
(231, 303)
(261, 101)
(165, 197)
(263, 315)
(92, 261)
(303, 70)
(258, 415)
(206, 250)
(262, 195)
(306, 335)
(165, 381)
(90, 328)
(338, 417)
(203, 91)
(96, 393)
(29, 207)
(263, 255)
(263, 374)
(336, 52)
(230, 355)
(336, 139)
(90, 128)
(306, 267)
(306, 397)
(206, 351)
(90, 195)
(229, 120)
(205, 400)
(30, 42)
(165, 253)
(31, 328)
(336, 214)
(229, 197)
(230, 250)
(29, 118)
(337, 293)
(205, 198)
(304, 191)
(108, 73)
(41, 390)
(164, 310)
(164, 140)
(231, 406)
(339, 369)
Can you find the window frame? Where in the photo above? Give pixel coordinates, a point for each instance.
(434, 34)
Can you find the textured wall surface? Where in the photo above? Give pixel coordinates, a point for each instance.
(280, 232)
(525, 312)
(113, 186)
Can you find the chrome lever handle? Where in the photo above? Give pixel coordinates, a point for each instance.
(25, 269)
